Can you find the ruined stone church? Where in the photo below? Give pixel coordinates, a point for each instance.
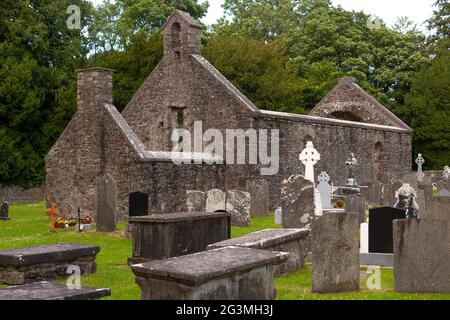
(132, 148)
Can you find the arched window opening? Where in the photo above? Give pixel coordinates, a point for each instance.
(175, 38)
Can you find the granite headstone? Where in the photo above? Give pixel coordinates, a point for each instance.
(380, 228)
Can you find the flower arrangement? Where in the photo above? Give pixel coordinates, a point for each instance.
(339, 204)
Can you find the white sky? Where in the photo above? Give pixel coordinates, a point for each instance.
(388, 10)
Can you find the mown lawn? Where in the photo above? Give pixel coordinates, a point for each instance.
(29, 226)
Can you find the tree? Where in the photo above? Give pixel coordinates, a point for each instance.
(38, 55)
(440, 24)
(429, 104)
(117, 22)
(258, 69)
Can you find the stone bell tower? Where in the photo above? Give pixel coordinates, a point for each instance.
(181, 35)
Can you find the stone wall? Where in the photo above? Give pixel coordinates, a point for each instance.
(16, 194)
(334, 142)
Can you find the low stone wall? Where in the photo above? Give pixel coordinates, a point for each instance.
(16, 194)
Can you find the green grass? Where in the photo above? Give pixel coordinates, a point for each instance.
(29, 226)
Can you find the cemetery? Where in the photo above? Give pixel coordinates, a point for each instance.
(347, 216)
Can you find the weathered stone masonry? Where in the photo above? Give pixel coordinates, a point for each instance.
(133, 147)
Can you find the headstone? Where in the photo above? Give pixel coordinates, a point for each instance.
(317, 203)
(106, 204)
(325, 190)
(297, 202)
(420, 161)
(357, 204)
(215, 200)
(364, 238)
(421, 256)
(438, 208)
(427, 190)
(4, 213)
(380, 228)
(259, 196)
(389, 193)
(446, 174)
(278, 216)
(238, 205)
(335, 253)
(374, 193)
(195, 201)
(443, 193)
(138, 204)
(309, 157)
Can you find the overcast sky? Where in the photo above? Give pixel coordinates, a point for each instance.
(416, 10)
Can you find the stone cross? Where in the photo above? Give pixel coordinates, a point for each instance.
(446, 174)
(420, 161)
(325, 190)
(53, 211)
(309, 157)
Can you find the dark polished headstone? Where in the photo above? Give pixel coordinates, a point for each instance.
(381, 229)
(138, 204)
(4, 213)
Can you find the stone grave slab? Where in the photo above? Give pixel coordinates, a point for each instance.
(195, 201)
(292, 241)
(421, 256)
(297, 202)
(51, 291)
(215, 200)
(34, 264)
(161, 236)
(259, 197)
(230, 273)
(238, 205)
(278, 216)
(335, 253)
(106, 204)
(380, 228)
(356, 204)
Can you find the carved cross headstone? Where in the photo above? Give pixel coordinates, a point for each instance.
(446, 174)
(309, 157)
(325, 190)
(420, 161)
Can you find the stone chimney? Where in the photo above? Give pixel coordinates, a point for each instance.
(94, 86)
(182, 35)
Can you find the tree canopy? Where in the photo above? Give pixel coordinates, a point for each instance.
(285, 55)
